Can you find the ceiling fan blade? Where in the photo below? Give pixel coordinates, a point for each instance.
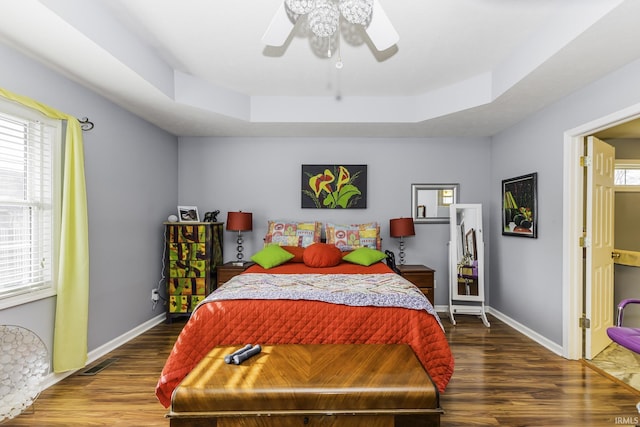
(279, 28)
(380, 29)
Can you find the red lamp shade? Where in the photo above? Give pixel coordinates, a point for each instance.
(401, 227)
(239, 221)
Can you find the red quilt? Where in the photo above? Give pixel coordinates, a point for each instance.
(239, 322)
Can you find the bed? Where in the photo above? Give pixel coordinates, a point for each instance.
(299, 302)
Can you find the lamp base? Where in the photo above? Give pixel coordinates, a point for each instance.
(239, 250)
(401, 253)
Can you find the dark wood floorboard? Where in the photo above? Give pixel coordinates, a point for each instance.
(501, 378)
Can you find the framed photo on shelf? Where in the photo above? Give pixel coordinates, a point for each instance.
(188, 214)
(520, 206)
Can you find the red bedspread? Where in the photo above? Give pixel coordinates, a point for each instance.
(238, 322)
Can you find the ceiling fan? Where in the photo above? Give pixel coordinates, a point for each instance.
(369, 13)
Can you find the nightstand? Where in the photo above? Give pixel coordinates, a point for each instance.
(227, 270)
(421, 276)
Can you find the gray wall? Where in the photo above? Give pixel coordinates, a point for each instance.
(131, 174)
(526, 274)
(263, 175)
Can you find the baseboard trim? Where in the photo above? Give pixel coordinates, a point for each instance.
(104, 349)
(529, 333)
(543, 341)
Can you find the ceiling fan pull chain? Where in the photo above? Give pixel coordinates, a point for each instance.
(339, 63)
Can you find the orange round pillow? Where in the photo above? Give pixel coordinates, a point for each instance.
(322, 255)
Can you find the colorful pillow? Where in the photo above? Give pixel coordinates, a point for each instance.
(353, 236)
(271, 256)
(322, 255)
(293, 233)
(297, 252)
(364, 256)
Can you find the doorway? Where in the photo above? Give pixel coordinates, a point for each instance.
(573, 214)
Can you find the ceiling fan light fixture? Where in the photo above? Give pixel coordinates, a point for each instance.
(300, 7)
(356, 11)
(324, 18)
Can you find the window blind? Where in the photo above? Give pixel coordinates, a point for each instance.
(627, 173)
(27, 198)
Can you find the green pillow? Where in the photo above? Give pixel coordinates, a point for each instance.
(272, 256)
(364, 256)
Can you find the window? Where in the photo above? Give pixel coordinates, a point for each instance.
(627, 175)
(446, 197)
(29, 199)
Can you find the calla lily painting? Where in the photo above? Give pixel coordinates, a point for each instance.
(334, 186)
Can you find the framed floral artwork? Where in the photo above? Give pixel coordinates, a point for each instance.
(334, 186)
(520, 206)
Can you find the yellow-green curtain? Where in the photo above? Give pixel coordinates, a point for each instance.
(72, 303)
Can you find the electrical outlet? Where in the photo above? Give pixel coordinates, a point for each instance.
(154, 295)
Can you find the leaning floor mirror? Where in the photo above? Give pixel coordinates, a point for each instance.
(466, 261)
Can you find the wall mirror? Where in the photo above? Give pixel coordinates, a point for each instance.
(430, 202)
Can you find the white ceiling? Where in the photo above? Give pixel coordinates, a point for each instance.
(199, 68)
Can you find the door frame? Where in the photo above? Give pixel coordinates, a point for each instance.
(572, 223)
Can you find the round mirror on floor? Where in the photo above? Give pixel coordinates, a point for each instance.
(24, 362)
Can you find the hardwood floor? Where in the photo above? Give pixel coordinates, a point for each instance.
(501, 378)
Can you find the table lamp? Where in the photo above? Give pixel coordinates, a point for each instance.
(239, 221)
(401, 227)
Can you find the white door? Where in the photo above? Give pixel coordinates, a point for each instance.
(599, 247)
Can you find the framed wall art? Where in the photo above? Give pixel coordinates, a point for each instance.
(520, 206)
(334, 186)
(470, 243)
(188, 214)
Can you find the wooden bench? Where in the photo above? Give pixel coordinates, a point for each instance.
(317, 385)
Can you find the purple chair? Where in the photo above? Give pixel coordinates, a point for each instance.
(626, 337)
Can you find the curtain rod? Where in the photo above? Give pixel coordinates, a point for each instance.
(86, 124)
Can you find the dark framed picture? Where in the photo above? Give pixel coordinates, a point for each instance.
(470, 243)
(520, 206)
(334, 186)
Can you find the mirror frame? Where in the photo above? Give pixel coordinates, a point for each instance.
(416, 188)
